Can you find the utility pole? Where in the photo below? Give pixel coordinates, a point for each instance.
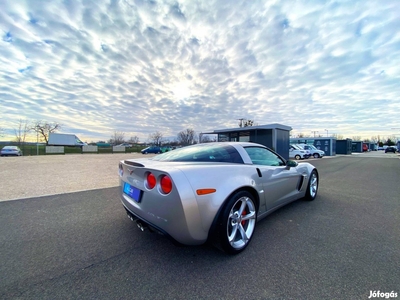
(314, 132)
(326, 132)
(241, 122)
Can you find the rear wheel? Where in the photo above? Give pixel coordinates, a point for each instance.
(312, 187)
(237, 223)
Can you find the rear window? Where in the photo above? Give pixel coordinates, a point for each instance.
(203, 153)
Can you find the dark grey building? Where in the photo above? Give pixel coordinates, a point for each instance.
(357, 146)
(344, 146)
(275, 136)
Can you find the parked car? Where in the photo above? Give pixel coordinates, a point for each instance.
(166, 149)
(11, 151)
(365, 147)
(298, 153)
(125, 145)
(151, 149)
(314, 152)
(212, 192)
(390, 149)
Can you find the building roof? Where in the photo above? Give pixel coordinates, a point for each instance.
(251, 128)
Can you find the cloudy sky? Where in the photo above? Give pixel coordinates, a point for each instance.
(138, 66)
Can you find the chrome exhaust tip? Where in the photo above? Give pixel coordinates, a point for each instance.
(141, 226)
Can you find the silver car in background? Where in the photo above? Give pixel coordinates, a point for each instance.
(314, 152)
(11, 151)
(212, 192)
(298, 153)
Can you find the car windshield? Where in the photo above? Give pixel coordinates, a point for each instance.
(203, 153)
(297, 147)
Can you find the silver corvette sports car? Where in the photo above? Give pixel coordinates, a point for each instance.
(212, 192)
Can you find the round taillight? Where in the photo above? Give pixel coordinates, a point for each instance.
(151, 181)
(166, 184)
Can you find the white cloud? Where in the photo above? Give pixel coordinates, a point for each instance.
(146, 66)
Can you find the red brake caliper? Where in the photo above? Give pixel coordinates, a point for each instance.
(243, 214)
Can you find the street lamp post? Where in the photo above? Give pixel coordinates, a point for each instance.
(326, 132)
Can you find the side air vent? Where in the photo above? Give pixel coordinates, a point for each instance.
(259, 172)
(300, 184)
(135, 164)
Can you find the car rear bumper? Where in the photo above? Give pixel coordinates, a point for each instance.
(166, 216)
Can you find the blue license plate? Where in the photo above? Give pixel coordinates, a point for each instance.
(132, 192)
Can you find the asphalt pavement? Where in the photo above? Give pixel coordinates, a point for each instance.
(81, 245)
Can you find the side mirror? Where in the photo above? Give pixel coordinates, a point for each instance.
(291, 164)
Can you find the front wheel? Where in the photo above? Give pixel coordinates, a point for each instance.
(237, 223)
(316, 155)
(297, 157)
(312, 187)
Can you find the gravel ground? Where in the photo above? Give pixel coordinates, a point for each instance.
(33, 176)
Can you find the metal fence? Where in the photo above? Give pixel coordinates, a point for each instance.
(32, 149)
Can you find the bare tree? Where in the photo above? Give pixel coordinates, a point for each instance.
(337, 136)
(186, 137)
(248, 123)
(356, 138)
(206, 139)
(245, 123)
(375, 139)
(44, 128)
(117, 138)
(134, 140)
(22, 131)
(156, 138)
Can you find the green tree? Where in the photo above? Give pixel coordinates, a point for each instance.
(389, 142)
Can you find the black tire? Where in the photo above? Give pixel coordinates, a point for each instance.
(297, 157)
(316, 155)
(237, 223)
(312, 187)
